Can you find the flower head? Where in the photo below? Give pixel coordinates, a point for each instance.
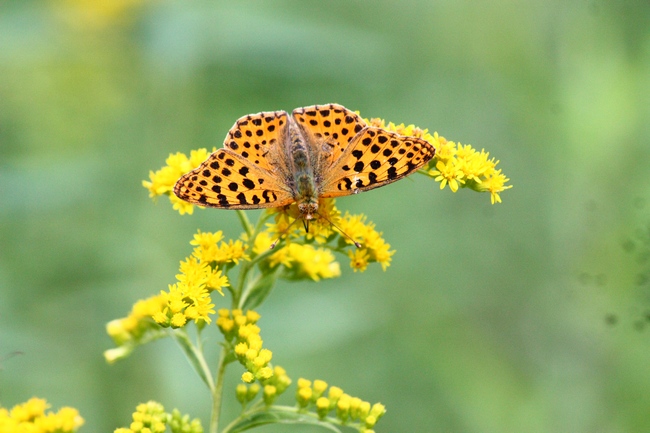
(151, 417)
(162, 181)
(311, 395)
(241, 330)
(32, 416)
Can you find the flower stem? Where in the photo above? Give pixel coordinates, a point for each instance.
(245, 222)
(217, 391)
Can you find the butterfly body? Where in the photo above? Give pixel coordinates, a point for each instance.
(271, 159)
(301, 177)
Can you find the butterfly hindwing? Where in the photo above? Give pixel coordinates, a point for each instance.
(375, 158)
(228, 180)
(252, 136)
(331, 125)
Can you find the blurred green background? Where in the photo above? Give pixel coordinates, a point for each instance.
(527, 316)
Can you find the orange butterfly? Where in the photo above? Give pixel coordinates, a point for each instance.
(271, 159)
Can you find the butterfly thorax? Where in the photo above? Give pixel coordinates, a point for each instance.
(304, 184)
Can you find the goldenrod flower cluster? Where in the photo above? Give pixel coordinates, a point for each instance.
(246, 393)
(455, 164)
(210, 248)
(242, 332)
(151, 417)
(161, 182)
(347, 409)
(189, 298)
(128, 331)
(373, 247)
(303, 261)
(31, 417)
(330, 230)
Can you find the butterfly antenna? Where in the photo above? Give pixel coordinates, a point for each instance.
(356, 244)
(284, 232)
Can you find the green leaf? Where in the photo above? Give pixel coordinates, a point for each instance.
(260, 289)
(277, 415)
(194, 356)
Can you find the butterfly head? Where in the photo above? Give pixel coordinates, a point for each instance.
(308, 210)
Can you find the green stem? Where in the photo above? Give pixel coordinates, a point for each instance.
(245, 222)
(247, 266)
(217, 391)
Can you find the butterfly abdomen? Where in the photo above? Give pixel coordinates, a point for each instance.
(304, 184)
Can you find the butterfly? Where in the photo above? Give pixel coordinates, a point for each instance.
(271, 159)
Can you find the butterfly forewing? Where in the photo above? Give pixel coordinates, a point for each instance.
(252, 136)
(331, 125)
(228, 180)
(375, 158)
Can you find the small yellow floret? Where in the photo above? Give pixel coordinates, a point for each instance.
(264, 373)
(178, 320)
(303, 396)
(240, 392)
(335, 393)
(241, 349)
(359, 259)
(252, 316)
(322, 407)
(270, 393)
(319, 387)
(304, 383)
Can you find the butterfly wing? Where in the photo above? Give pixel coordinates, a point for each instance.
(244, 174)
(228, 180)
(252, 136)
(331, 125)
(374, 158)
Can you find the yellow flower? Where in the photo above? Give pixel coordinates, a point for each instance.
(161, 182)
(231, 252)
(181, 206)
(359, 259)
(373, 247)
(303, 396)
(189, 298)
(335, 394)
(448, 173)
(248, 348)
(347, 408)
(206, 239)
(495, 184)
(270, 392)
(444, 149)
(262, 243)
(151, 417)
(280, 379)
(130, 329)
(322, 407)
(307, 261)
(31, 416)
(343, 408)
